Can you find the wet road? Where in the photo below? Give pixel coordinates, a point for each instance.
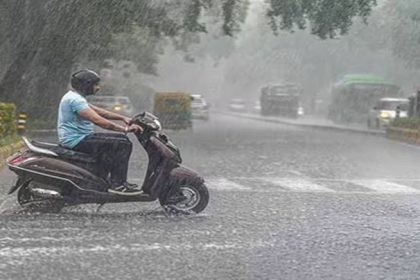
(286, 203)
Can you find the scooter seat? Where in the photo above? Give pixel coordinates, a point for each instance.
(65, 153)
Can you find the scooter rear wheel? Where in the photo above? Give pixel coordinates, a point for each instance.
(27, 199)
(196, 199)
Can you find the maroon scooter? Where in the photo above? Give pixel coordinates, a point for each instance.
(51, 177)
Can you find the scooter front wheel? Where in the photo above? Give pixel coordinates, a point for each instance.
(196, 198)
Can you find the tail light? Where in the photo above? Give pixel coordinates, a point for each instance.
(17, 159)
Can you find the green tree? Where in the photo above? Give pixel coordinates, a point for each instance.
(315, 64)
(138, 46)
(404, 27)
(43, 39)
(326, 18)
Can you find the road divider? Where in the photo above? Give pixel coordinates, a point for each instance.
(315, 123)
(407, 135)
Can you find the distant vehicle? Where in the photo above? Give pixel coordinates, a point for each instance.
(237, 105)
(118, 104)
(300, 111)
(385, 110)
(354, 95)
(199, 107)
(173, 109)
(257, 107)
(281, 100)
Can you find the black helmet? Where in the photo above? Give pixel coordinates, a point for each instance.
(84, 80)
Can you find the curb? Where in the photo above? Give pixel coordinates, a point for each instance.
(9, 150)
(314, 126)
(410, 136)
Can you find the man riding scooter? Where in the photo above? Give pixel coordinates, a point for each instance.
(75, 126)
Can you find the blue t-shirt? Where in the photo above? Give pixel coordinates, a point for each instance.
(71, 127)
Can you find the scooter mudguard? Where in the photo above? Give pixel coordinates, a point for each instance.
(177, 177)
(184, 176)
(20, 182)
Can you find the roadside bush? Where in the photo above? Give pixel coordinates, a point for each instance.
(409, 123)
(7, 120)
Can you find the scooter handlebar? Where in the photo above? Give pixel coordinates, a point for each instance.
(146, 121)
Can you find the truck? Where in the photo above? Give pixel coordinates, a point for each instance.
(280, 100)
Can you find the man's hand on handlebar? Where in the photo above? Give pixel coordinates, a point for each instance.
(127, 120)
(133, 128)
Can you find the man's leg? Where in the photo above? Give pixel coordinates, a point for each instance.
(112, 151)
(121, 151)
(93, 146)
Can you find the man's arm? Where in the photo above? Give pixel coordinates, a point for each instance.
(91, 115)
(109, 115)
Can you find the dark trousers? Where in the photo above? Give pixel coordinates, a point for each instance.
(112, 152)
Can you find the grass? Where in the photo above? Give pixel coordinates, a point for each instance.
(9, 140)
(410, 123)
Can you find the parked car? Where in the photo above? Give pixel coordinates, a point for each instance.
(199, 107)
(118, 104)
(385, 110)
(237, 105)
